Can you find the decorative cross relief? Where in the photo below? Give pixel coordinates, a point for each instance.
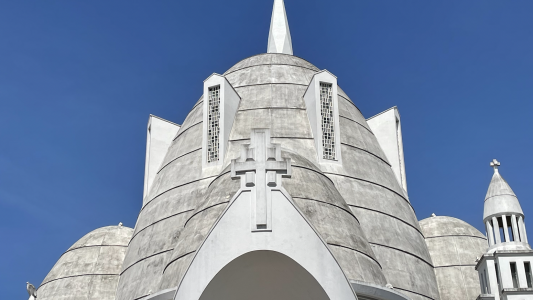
(260, 169)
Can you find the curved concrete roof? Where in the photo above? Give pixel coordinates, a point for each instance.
(500, 198)
(454, 246)
(316, 197)
(90, 268)
(271, 87)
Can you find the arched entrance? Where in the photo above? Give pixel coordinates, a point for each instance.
(263, 275)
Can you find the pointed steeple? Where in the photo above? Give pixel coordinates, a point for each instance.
(279, 38)
(500, 198)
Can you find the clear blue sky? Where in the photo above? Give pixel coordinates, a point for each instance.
(79, 78)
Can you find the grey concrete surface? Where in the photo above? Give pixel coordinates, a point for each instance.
(269, 86)
(454, 246)
(90, 268)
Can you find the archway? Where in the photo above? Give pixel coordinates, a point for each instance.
(263, 275)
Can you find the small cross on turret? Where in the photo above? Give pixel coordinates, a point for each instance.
(495, 164)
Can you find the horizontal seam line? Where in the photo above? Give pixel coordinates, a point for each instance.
(162, 167)
(442, 236)
(145, 258)
(403, 251)
(178, 186)
(200, 211)
(367, 152)
(90, 246)
(316, 200)
(501, 195)
(243, 68)
(318, 172)
(45, 283)
(414, 292)
(268, 83)
(358, 251)
(177, 258)
(277, 137)
(273, 107)
(160, 220)
(436, 267)
(371, 182)
(351, 102)
(350, 119)
(383, 213)
(182, 131)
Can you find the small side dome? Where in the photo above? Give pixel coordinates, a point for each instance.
(454, 246)
(90, 268)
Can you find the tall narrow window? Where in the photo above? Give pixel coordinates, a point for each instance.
(497, 275)
(328, 124)
(527, 267)
(500, 230)
(514, 274)
(213, 127)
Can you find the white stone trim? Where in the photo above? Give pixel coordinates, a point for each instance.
(232, 234)
(229, 103)
(312, 102)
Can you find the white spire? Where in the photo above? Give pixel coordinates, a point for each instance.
(279, 38)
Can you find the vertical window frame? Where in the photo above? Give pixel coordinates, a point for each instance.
(327, 114)
(213, 126)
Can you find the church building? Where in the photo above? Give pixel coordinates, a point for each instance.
(275, 186)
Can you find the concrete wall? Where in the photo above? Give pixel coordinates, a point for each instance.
(159, 136)
(387, 128)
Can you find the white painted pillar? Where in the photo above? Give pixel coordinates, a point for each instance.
(522, 281)
(496, 230)
(505, 229)
(522, 226)
(490, 233)
(492, 280)
(515, 228)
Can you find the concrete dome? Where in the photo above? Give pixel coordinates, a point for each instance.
(90, 268)
(271, 88)
(317, 198)
(454, 246)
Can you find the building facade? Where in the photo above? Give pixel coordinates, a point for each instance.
(276, 187)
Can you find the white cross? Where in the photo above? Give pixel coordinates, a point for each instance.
(258, 168)
(495, 164)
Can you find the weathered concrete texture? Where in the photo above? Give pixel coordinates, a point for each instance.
(315, 195)
(454, 246)
(90, 268)
(175, 191)
(271, 87)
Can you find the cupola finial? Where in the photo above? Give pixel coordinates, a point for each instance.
(279, 38)
(495, 164)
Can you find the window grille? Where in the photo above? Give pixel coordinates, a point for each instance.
(328, 124)
(213, 125)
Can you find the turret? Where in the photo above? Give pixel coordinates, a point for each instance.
(505, 270)
(503, 215)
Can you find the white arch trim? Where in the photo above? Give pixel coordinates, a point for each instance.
(291, 235)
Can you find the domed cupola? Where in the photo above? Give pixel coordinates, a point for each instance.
(503, 215)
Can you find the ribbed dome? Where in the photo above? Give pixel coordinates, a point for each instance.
(316, 197)
(454, 246)
(500, 198)
(271, 87)
(90, 268)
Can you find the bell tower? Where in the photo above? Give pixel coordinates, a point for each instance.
(505, 270)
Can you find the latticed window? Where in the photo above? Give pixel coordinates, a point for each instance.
(328, 124)
(213, 124)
